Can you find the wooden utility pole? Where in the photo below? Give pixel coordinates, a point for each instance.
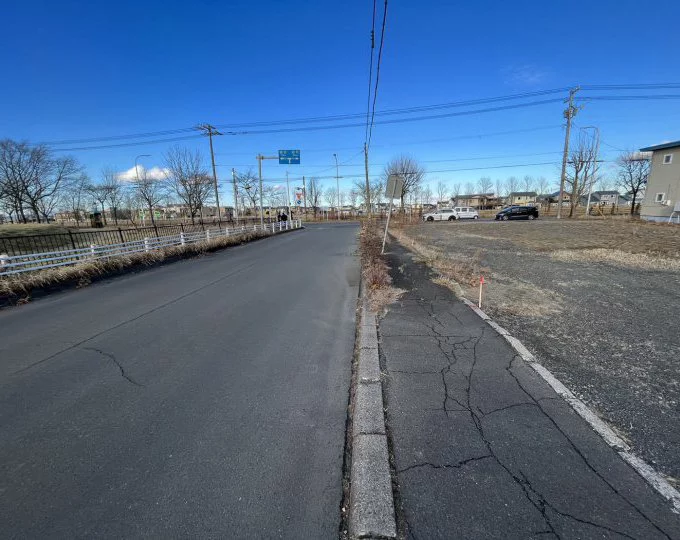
(367, 198)
(233, 177)
(568, 114)
(210, 131)
(304, 194)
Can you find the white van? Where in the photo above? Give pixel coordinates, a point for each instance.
(465, 212)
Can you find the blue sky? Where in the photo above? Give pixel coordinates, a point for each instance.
(91, 69)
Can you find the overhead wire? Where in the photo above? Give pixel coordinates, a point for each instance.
(377, 76)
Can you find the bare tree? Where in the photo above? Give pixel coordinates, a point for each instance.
(579, 170)
(353, 197)
(113, 187)
(32, 177)
(542, 185)
(485, 184)
(188, 178)
(499, 187)
(314, 194)
(455, 190)
(511, 184)
(248, 187)
(330, 196)
(98, 194)
(469, 188)
(633, 172)
(75, 198)
(426, 194)
(528, 183)
(150, 191)
(604, 183)
(442, 190)
(410, 171)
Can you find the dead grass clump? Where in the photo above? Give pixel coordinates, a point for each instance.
(20, 286)
(374, 269)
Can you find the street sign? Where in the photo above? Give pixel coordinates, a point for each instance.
(289, 157)
(394, 187)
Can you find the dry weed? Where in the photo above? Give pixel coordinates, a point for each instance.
(374, 269)
(82, 274)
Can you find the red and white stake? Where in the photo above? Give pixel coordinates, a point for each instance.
(481, 284)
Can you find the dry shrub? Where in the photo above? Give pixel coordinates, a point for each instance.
(82, 274)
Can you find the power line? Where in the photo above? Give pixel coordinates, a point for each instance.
(377, 76)
(370, 70)
(121, 145)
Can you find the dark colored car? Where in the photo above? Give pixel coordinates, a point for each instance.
(518, 212)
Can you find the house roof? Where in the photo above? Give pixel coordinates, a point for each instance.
(523, 194)
(612, 192)
(472, 195)
(660, 146)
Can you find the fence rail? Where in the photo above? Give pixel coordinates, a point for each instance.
(27, 262)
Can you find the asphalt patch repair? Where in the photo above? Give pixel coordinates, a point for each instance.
(482, 446)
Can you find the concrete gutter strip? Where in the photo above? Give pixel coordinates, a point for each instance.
(656, 480)
(371, 513)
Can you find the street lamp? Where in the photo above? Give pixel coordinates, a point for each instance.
(337, 183)
(597, 151)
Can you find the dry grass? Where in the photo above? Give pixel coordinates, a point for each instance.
(618, 258)
(461, 274)
(21, 229)
(19, 287)
(374, 269)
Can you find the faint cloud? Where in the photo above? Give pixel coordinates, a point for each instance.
(156, 173)
(523, 74)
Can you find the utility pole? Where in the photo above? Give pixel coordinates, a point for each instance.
(304, 194)
(260, 157)
(337, 185)
(595, 167)
(288, 194)
(210, 131)
(568, 114)
(233, 177)
(367, 198)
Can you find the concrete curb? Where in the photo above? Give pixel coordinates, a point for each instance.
(371, 512)
(653, 478)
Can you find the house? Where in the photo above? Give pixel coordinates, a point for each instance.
(545, 199)
(566, 197)
(521, 198)
(478, 201)
(606, 198)
(662, 194)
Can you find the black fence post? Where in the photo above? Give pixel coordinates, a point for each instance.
(73, 242)
(120, 233)
(182, 227)
(155, 229)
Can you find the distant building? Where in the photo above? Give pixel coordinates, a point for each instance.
(662, 194)
(478, 201)
(521, 198)
(606, 198)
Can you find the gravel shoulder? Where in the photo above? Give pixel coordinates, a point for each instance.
(608, 330)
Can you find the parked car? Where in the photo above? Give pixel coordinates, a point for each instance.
(518, 212)
(465, 212)
(443, 214)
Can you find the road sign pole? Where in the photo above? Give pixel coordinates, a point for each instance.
(288, 194)
(394, 190)
(260, 157)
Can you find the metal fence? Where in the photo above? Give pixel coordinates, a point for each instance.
(26, 262)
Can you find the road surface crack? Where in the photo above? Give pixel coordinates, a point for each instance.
(458, 465)
(115, 361)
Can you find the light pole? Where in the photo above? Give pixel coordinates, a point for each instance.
(594, 175)
(337, 183)
(137, 175)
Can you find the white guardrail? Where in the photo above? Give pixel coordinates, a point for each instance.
(38, 261)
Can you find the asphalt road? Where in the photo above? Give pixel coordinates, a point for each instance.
(206, 398)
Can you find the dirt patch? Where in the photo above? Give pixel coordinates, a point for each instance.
(618, 258)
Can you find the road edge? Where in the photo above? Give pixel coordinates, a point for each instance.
(651, 476)
(371, 508)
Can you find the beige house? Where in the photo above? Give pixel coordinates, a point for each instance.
(522, 197)
(662, 194)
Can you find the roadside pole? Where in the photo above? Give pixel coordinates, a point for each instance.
(595, 166)
(392, 181)
(233, 177)
(304, 195)
(568, 114)
(367, 198)
(210, 130)
(288, 194)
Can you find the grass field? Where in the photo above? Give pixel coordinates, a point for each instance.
(596, 301)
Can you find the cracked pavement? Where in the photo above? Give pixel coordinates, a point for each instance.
(482, 446)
